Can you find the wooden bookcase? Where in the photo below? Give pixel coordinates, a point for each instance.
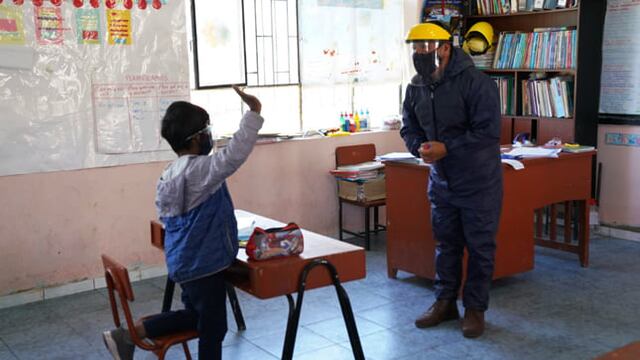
(588, 19)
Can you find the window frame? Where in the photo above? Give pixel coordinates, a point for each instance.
(196, 62)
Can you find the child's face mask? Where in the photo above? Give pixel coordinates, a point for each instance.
(205, 141)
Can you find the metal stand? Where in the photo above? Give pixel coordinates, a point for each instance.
(345, 305)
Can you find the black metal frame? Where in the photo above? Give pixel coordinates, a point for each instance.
(345, 306)
(294, 309)
(366, 234)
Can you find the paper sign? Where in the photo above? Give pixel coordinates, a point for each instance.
(11, 28)
(48, 25)
(119, 27)
(88, 22)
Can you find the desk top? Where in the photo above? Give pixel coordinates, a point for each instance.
(526, 162)
(279, 276)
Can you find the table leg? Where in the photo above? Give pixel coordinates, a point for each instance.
(235, 306)
(345, 305)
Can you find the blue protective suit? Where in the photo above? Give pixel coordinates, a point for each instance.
(461, 110)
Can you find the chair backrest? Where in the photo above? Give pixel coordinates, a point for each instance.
(157, 235)
(117, 278)
(355, 154)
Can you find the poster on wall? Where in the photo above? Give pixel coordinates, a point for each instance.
(620, 80)
(48, 23)
(82, 106)
(127, 115)
(88, 24)
(218, 43)
(11, 26)
(119, 27)
(356, 43)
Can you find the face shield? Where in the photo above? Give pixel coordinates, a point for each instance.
(424, 57)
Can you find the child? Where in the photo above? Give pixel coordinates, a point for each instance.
(200, 227)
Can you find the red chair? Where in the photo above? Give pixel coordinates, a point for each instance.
(356, 154)
(117, 278)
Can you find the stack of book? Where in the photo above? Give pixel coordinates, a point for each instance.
(360, 172)
(502, 7)
(505, 85)
(552, 97)
(544, 48)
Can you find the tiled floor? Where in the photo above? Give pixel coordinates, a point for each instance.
(557, 311)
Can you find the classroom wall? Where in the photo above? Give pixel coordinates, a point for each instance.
(54, 226)
(619, 193)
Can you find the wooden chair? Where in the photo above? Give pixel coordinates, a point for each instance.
(355, 154)
(117, 278)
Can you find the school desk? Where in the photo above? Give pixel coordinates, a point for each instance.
(543, 182)
(284, 276)
(627, 352)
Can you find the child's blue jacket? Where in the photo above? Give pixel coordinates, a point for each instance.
(195, 207)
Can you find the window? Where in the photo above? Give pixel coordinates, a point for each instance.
(252, 42)
(271, 35)
(338, 56)
(218, 43)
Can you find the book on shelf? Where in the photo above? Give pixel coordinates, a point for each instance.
(538, 4)
(543, 48)
(505, 84)
(550, 97)
(505, 7)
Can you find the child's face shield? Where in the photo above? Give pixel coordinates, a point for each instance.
(206, 130)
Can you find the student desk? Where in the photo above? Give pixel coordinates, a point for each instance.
(627, 352)
(285, 276)
(543, 181)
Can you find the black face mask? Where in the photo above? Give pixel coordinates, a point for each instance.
(205, 144)
(425, 64)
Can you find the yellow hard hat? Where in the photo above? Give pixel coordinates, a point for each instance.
(478, 39)
(428, 31)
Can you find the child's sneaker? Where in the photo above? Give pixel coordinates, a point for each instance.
(118, 342)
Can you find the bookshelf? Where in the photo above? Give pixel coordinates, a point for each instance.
(582, 78)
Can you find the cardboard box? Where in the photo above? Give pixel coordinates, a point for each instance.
(368, 190)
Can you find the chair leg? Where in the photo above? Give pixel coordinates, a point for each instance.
(168, 295)
(187, 353)
(376, 220)
(340, 218)
(367, 223)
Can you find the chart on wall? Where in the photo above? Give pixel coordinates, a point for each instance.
(351, 41)
(85, 83)
(620, 81)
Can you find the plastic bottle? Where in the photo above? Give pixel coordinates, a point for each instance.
(352, 124)
(366, 114)
(364, 121)
(356, 120)
(342, 122)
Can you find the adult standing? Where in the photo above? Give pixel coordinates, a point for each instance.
(451, 119)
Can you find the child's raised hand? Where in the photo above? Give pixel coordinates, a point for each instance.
(252, 101)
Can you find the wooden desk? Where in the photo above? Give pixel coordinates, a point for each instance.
(410, 243)
(627, 352)
(285, 276)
